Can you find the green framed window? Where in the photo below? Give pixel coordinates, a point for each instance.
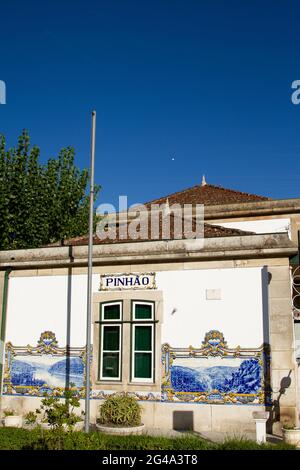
(142, 343)
(111, 341)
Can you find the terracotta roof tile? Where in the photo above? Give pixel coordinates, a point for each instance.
(208, 195)
(210, 231)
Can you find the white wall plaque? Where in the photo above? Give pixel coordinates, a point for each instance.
(127, 281)
(213, 294)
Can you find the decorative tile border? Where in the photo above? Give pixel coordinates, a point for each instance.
(141, 396)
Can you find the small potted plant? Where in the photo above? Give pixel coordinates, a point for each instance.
(291, 434)
(11, 419)
(120, 414)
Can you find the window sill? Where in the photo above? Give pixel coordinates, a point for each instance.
(124, 383)
(108, 382)
(141, 384)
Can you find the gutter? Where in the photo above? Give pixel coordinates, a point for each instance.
(3, 323)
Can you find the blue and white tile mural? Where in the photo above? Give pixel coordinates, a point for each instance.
(45, 368)
(50, 371)
(240, 377)
(213, 373)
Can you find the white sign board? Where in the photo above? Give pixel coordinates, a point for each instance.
(127, 281)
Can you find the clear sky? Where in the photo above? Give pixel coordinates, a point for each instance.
(181, 88)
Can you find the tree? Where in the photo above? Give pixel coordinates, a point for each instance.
(40, 204)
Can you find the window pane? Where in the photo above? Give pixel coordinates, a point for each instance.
(111, 336)
(143, 311)
(110, 365)
(143, 338)
(112, 312)
(142, 365)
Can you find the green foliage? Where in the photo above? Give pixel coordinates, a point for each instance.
(17, 438)
(40, 204)
(37, 439)
(120, 410)
(59, 413)
(247, 444)
(8, 412)
(30, 418)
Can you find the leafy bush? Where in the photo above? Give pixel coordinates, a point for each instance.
(8, 412)
(58, 413)
(30, 418)
(120, 410)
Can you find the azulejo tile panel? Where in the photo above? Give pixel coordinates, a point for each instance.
(211, 374)
(215, 373)
(44, 368)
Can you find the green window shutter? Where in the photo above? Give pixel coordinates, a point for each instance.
(143, 365)
(111, 338)
(110, 351)
(111, 312)
(110, 365)
(143, 311)
(143, 338)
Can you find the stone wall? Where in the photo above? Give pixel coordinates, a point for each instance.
(283, 364)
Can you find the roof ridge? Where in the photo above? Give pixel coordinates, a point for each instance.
(235, 191)
(173, 194)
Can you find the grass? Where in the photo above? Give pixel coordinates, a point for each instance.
(37, 439)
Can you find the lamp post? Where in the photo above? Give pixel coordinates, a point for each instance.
(89, 280)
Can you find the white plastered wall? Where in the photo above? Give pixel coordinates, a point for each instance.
(40, 303)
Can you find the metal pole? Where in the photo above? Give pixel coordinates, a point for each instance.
(89, 281)
(298, 247)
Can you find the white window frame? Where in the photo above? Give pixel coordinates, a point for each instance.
(142, 322)
(143, 302)
(102, 351)
(105, 304)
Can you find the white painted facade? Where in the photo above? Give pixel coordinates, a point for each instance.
(41, 303)
(235, 301)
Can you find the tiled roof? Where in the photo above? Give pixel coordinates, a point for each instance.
(210, 195)
(210, 231)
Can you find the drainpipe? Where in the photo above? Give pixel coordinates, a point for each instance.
(3, 324)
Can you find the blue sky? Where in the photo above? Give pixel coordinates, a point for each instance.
(181, 88)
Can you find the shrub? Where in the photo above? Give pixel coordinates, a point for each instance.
(120, 410)
(30, 418)
(8, 412)
(58, 413)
